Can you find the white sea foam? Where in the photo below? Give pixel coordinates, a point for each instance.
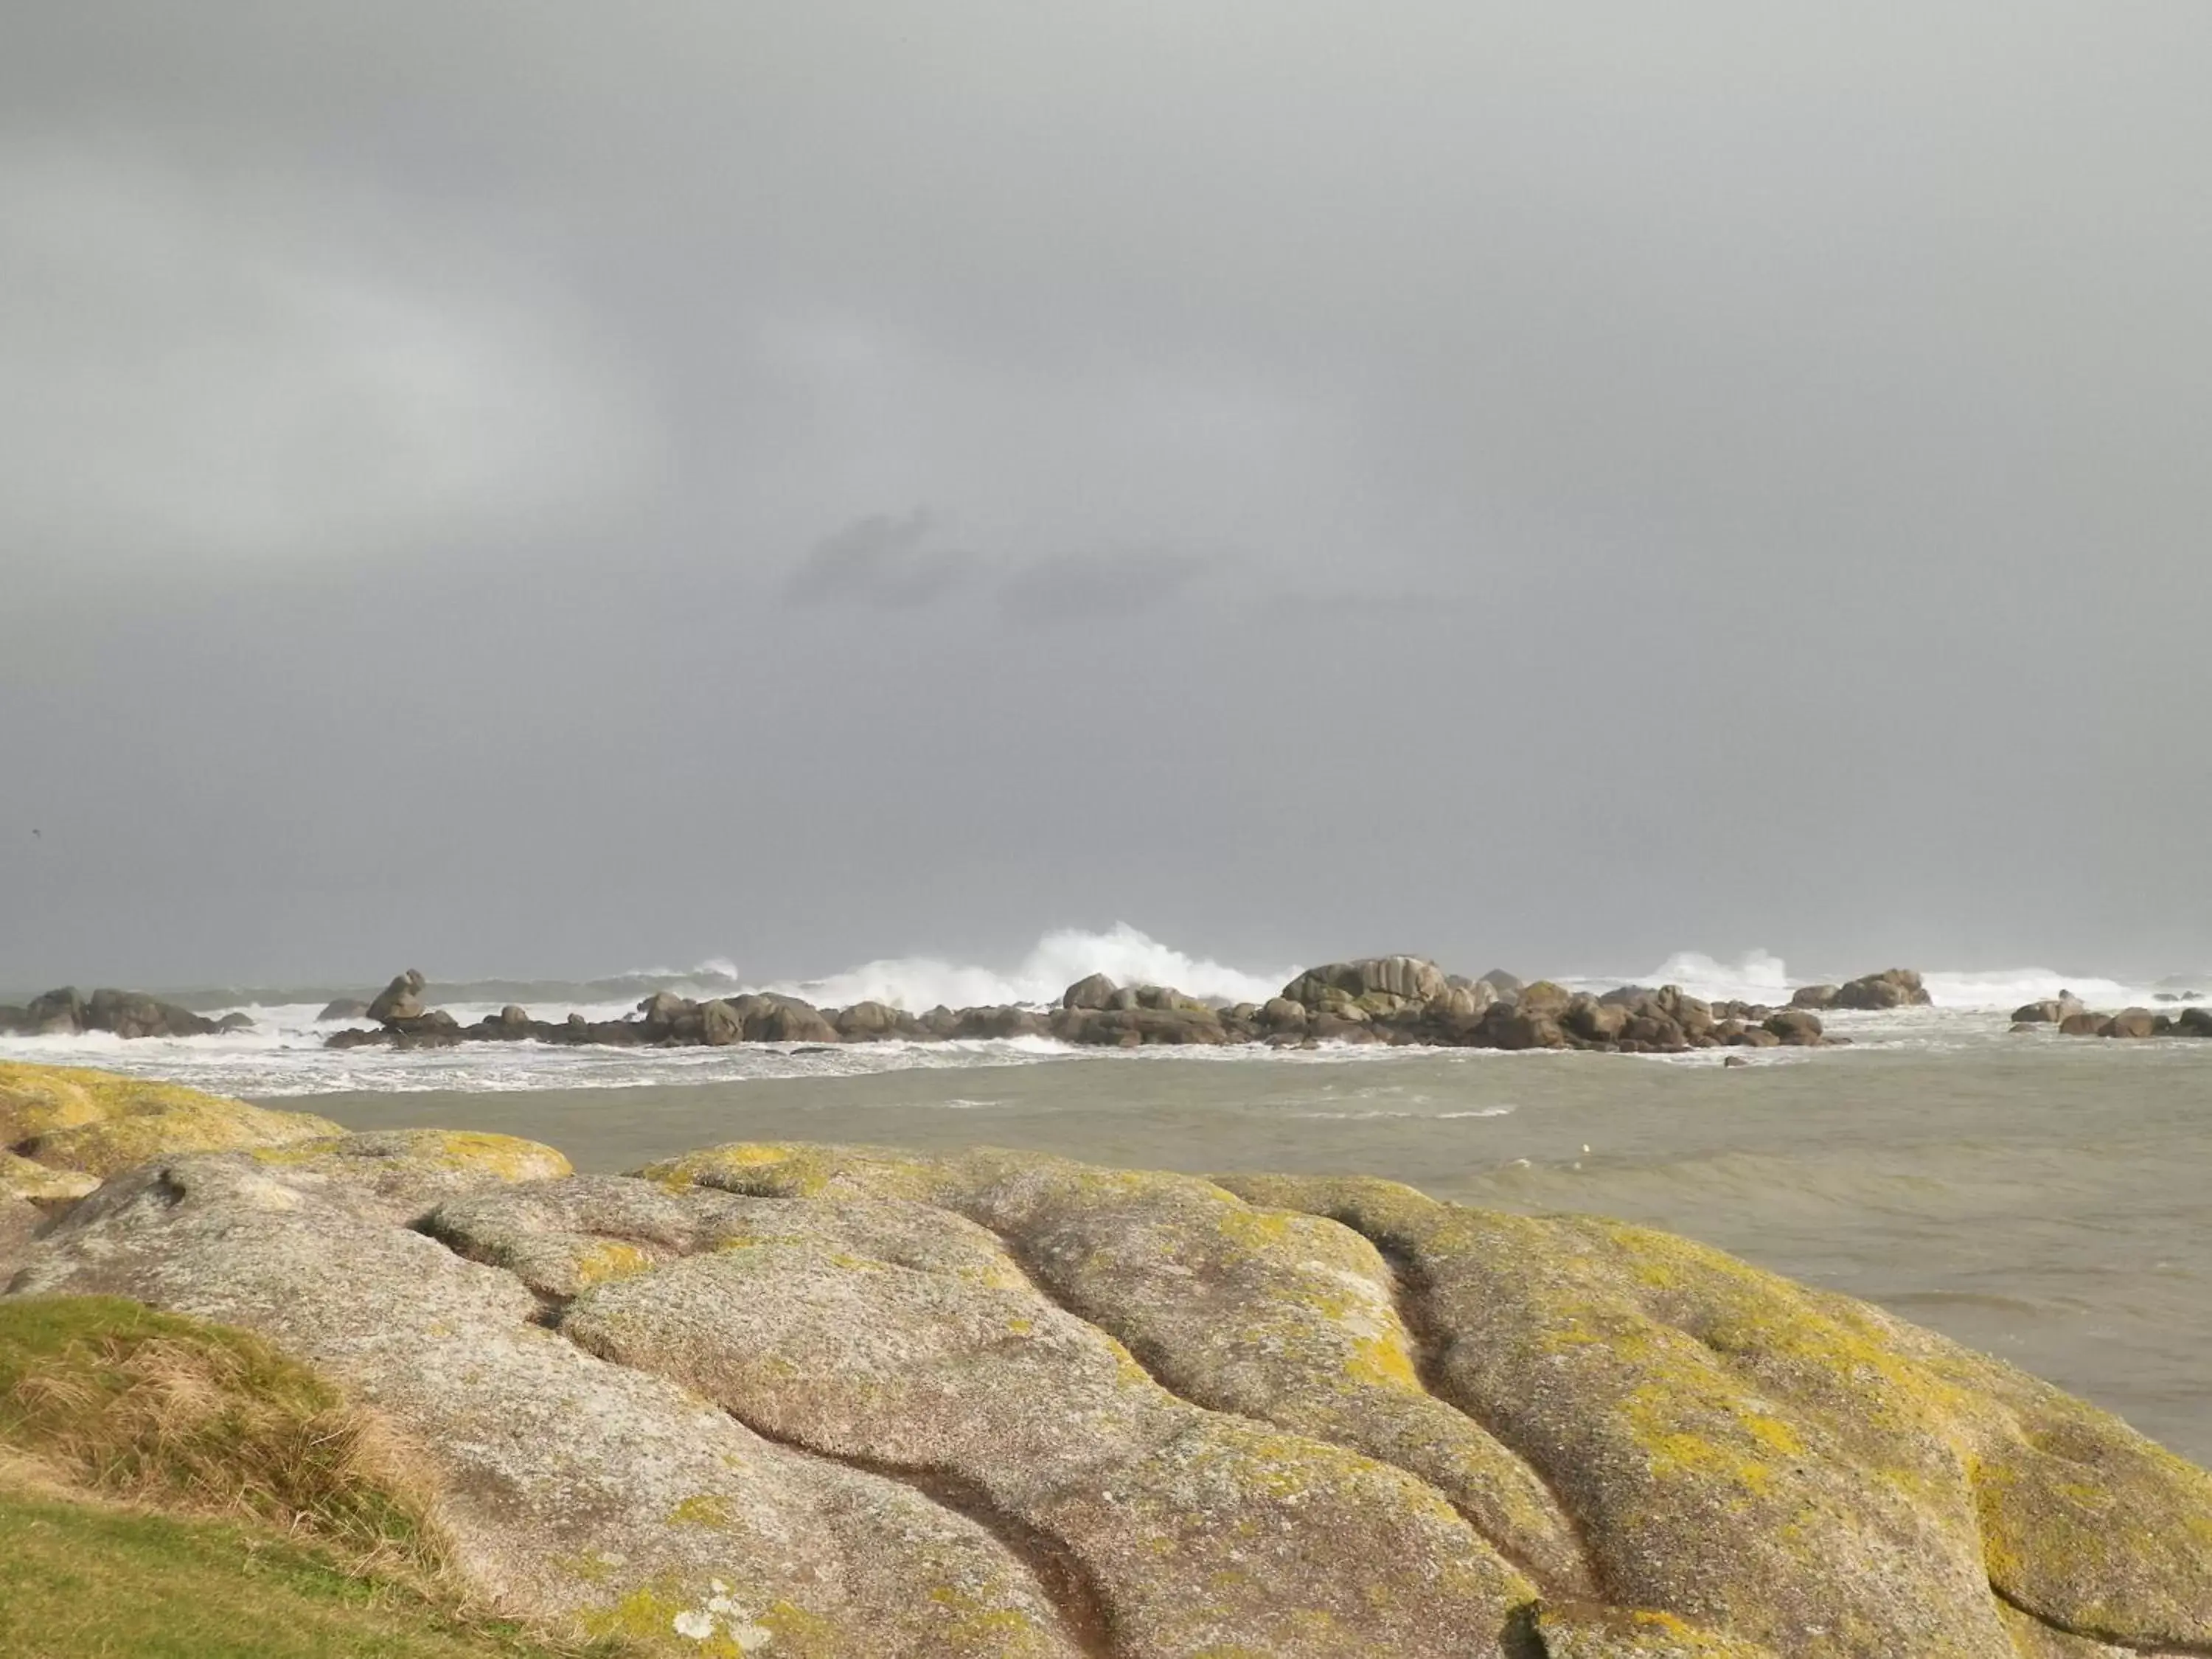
(282, 1053)
(1762, 976)
(1054, 964)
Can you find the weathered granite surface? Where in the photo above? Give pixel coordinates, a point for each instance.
(815, 1400)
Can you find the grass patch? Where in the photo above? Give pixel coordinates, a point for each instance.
(81, 1580)
(123, 1401)
(172, 1487)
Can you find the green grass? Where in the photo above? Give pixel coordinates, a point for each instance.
(85, 1580)
(124, 1402)
(172, 1487)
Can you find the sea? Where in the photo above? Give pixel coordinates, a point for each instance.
(2046, 1198)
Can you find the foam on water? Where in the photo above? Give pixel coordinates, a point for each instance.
(1056, 961)
(282, 1053)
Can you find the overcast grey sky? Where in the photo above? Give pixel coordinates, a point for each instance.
(552, 488)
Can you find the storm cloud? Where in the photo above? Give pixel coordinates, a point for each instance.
(551, 489)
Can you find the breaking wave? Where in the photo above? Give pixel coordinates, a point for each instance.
(1057, 960)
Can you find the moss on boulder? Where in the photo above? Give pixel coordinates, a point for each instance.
(97, 1122)
(841, 1401)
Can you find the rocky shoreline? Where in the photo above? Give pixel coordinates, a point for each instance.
(1398, 999)
(837, 1402)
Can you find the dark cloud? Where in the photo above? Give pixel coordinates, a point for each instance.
(1555, 485)
(1098, 587)
(882, 560)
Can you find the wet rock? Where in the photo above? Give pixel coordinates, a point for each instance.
(1465, 1001)
(1596, 1020)
(1501, 983)
(2193, 1021)
(1510, 1025)
(134, 1014)
(236, 1020)
(1799, 1028)
(1816, 996)
(1281, 1014)
(401, 1000)
(999, 1022)
(1543, 997)
(1135, 1027)
(1093, 991)
(874, 1022)
(664, 1014)
(2131, 1023)
(344, 1008)
(1384, 983)
(1692, 1014)
(2082, 1025)
(1893, 988)
(56, 1013)
(720, 1025)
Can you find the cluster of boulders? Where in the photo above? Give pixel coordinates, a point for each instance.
(70, 1012)
(2073, 1017)
(1392, 999)
(1893, 988)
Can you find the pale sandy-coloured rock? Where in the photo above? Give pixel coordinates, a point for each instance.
(571, 1486)
(96, 1123)
(835, 1402)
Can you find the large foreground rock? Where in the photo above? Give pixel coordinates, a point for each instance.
(69, 1119)
(781, 1399)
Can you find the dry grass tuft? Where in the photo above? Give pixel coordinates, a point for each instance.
(148, 1408)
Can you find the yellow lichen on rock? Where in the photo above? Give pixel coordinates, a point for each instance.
(456, 1152)
(40, 1184)
(853, 1402)
(1269, 1313)
(97, 1122)
(1591, 1631)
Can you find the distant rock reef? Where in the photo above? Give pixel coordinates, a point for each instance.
(1373, 1000)
(838, 1402)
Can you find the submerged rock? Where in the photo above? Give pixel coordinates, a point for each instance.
(855, 1404)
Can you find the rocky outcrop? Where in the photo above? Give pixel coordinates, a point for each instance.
(1893, 988)
(2133, 1023)
(68, 1013)
(1372, 984)
(1376, 999)
(402, 1000)
(93, 1123)
(1094, 991)
(853, 1404)
(344, 1008)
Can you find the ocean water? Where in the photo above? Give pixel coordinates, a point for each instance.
(282, 1054)
(2047, 1200)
